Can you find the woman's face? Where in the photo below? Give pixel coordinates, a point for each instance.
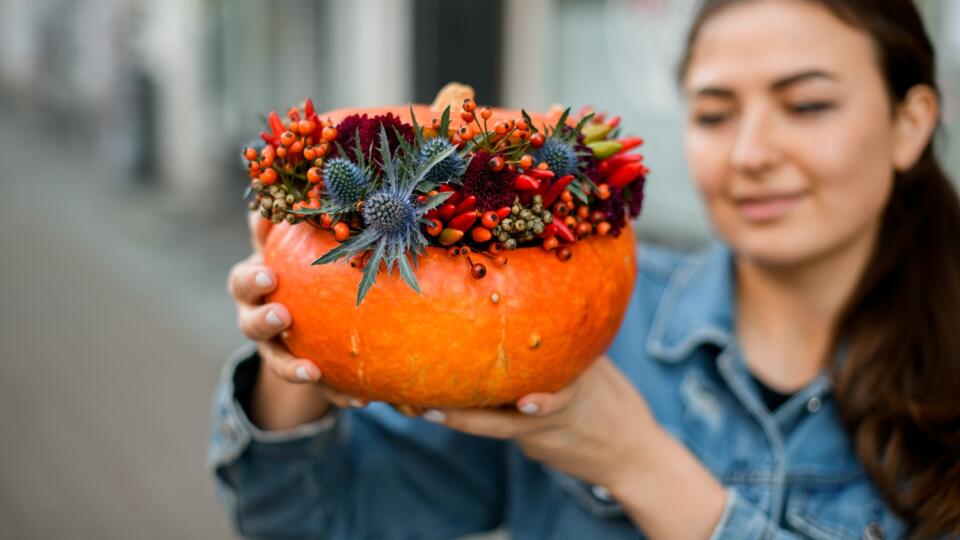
(790, 133)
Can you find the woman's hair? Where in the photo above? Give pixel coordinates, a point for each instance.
(898, 384)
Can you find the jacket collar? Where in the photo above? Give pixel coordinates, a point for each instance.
(697, 307)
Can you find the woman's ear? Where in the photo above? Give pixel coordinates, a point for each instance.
(914, 124)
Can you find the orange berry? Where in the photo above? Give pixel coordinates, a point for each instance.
(496, 164)
(250, 153)
(522, 125)
(314, 176)
(267, 155)
(314, 204)
(469, 105)
(526, 161)
(543, 165)
(481, 234)
(501, 128)
(570, 221)
(550, 243)
(500, 260)
(584, 229)
(323, 149)
(603, 192)
(490, 219)
(467, 116)
(313, 194)
(566, 196)
(466, 133)
(341, 231)
(287, 138)
(298, 205)
(306, 127)
(268, 177)
(603, 228)
(435, 227)
(329, 134)
(486, 113)
(309, 153)
(296, 147)
(583, 212)
(326, 220)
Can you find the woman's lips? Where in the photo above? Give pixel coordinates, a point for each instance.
(767, 208)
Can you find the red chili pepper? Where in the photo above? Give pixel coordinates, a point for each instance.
(526, 183)
(433, 213)
(309, 110)
(563, 232)
(626, 174)
(613, 122)
(541, 174)
(548, 230)
(269, 139)
(468, 204)
(294, 114)
(447, 211)
(619, 160)
(446, 187)
(503, 212)
(276, 125)
(556, 189)
(629, 143)
(453, 199)
(463, 222)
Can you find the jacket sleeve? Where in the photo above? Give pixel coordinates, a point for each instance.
(741, 520)
(364, 473)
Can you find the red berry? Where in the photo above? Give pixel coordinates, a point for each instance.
(564, 253)
(478, 271)
(490, 219)
(250, 153)
(537, 140)
(341, 231)
(469, 105)
(268, 177)
(496, 164)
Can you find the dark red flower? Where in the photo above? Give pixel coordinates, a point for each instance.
(493, 190)
(368, 131)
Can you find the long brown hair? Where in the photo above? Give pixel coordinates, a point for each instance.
(898, 385)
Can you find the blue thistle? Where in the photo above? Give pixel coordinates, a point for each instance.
(393, 218)
(449, 168)
(561, 158)
(389, 213)
(344, 180)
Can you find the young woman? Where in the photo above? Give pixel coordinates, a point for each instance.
(797, 379)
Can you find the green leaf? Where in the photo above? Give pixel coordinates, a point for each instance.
(350, 247)
(417, 131)
(434, 202)
(444, 122)
(358, 150)
(583, 122)
(370, 271)
(407, 272)
(389, 167)
(561, 122)
(526, 117)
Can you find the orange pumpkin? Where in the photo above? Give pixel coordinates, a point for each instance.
(532, 325)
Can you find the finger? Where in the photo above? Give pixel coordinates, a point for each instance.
(259, 228)
(264, 322)
(547, 403)
(285, 365)
(341, 400)
(485, 422)
(249, 281)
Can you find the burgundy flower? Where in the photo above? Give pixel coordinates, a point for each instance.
(368, 131)
(492, 189)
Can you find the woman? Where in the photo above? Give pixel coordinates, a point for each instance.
(798, 379)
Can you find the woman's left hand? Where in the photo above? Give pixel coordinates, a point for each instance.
(590, 429)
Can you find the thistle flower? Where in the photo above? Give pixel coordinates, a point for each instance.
(559, 155)
(344, 180)
(451, 167)
(393, 217)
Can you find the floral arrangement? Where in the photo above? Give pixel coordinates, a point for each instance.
(388, 190)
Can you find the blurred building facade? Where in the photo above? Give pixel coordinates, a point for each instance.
(172, 88)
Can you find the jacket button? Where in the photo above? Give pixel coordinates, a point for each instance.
(601, 493)
(813, 405)
(874, 531)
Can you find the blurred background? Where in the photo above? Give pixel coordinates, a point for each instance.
(121, 211)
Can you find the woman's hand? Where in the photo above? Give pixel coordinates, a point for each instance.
(288, 392)
(600, 430)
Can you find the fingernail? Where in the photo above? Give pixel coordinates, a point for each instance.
(263, 279)
(356, 403)
(273, 319)
(303, 373)
(529, 408)
(435, 416)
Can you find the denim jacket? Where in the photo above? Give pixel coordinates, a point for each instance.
(373, 473)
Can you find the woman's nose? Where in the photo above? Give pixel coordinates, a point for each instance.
(755, 147)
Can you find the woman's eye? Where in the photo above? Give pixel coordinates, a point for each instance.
(710, 119)
(810, 107)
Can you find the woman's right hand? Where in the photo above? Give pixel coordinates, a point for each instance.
(289, 391)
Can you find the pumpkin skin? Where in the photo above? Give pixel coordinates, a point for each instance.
(532, 325)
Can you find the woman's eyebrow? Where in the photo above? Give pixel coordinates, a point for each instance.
(790, 80)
